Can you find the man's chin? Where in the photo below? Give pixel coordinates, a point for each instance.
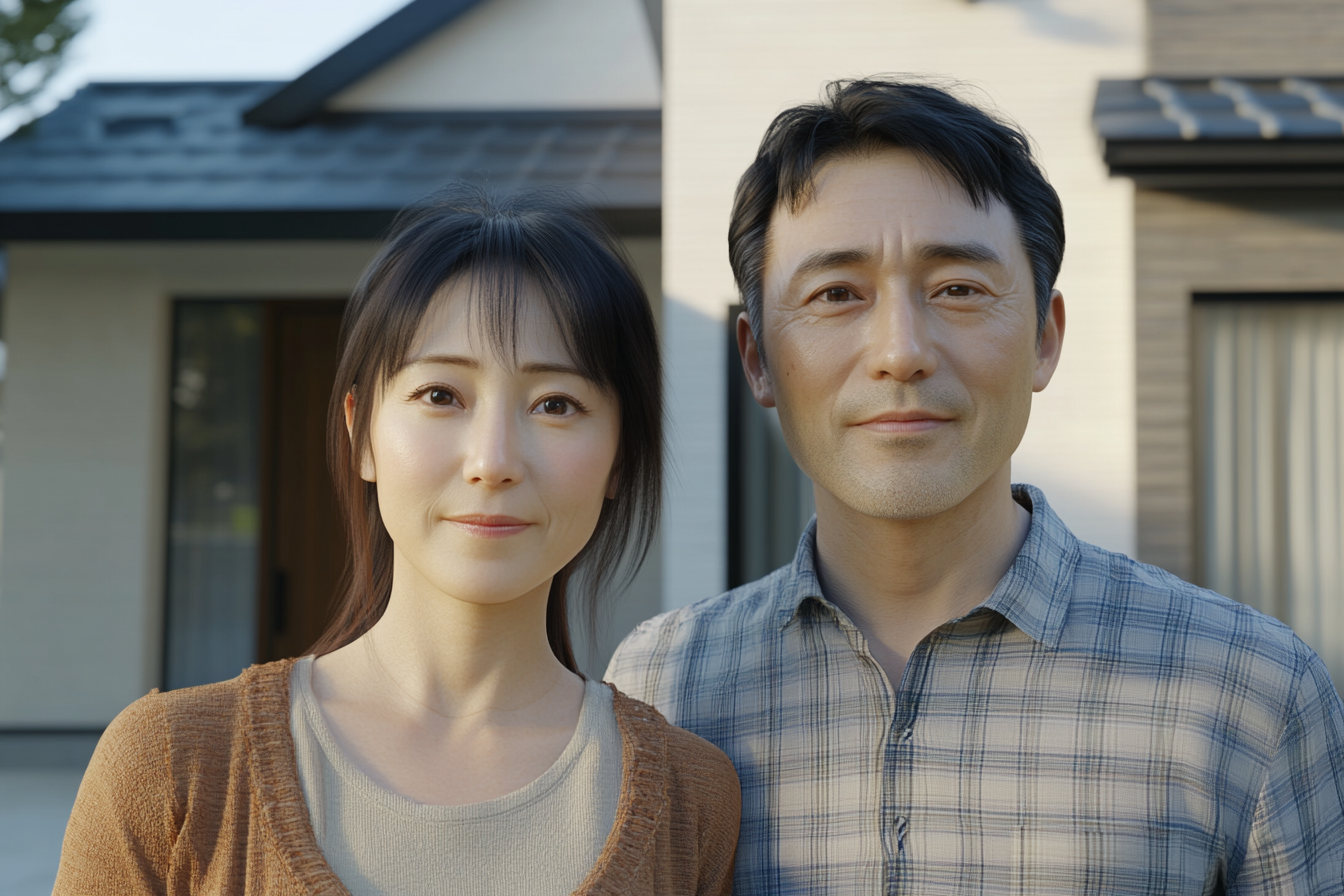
(907, 499)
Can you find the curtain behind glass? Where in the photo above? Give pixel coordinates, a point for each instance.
(1270, 389)
(213, 518)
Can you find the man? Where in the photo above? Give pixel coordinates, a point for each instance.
(947, 692)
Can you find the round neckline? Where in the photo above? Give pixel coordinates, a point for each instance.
(366, 787)
(275, 784)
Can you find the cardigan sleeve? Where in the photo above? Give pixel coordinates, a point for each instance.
(706, 800)
(121, 832)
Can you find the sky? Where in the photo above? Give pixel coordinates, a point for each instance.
(203, 39)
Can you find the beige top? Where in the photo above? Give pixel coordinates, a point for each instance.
(195, 793)
(541, 840)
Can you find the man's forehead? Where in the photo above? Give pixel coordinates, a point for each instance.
(855, 199)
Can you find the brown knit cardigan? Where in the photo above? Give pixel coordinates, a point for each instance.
(196, 792)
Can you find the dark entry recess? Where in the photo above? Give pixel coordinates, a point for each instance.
(302, 539)
(255, 547)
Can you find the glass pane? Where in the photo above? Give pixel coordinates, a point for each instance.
(213, 518)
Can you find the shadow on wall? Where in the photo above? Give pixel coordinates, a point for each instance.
(1046, 18)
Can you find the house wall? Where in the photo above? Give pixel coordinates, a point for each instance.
(1258, 240)
(1245, 37)
(522, 54)
(731, 65)
(81, 572)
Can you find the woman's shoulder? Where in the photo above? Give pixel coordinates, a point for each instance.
(693, 762)
(202, 720)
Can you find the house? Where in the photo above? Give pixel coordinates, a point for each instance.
(1234, 141)
(178, 254)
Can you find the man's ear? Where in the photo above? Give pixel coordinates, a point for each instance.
(366, 469)
(1050, 344)
(752, 365)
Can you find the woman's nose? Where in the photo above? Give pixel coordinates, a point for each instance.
(492, 457)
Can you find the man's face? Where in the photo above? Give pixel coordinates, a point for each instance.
(899, 325)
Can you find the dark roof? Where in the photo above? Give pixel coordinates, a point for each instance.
(305, 96)
(1223, 132)
(175, 160)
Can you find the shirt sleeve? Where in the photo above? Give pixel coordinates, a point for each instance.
(120, 836)
(1296, 842)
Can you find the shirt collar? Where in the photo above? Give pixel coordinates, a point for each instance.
(1033, 595)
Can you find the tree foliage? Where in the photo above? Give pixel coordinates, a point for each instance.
(34, 36)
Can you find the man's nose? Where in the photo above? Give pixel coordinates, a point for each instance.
(899, 343)
(493, 455)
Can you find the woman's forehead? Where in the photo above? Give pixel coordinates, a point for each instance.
(473, 317)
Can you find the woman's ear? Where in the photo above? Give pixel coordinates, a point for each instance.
(613, 482)
(366, 469)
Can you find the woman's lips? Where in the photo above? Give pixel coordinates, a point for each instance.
(484, 526)
(904, 422)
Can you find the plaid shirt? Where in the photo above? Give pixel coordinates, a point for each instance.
(1095, 726)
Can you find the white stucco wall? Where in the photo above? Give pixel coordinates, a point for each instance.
(731, 65)
(522, 54)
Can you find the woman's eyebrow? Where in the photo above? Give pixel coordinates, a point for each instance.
(456, 360)
(545, 367)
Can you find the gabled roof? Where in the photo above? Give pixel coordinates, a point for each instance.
(176, 161)
(304, 97)
(1223, 132)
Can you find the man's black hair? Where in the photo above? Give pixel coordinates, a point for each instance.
(987, 157)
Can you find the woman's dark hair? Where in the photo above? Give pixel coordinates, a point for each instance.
(504, 246)
(989, 158)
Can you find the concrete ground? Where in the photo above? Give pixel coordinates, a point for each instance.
(34, 806)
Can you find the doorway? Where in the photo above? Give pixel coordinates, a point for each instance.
(303, 539)
(255, 545)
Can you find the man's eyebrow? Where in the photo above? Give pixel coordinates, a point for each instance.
(826, 259)
(979, 253)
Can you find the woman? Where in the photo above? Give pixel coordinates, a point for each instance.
(495, 429)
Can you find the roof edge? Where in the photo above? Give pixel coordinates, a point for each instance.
(303, 97)
(261, 226)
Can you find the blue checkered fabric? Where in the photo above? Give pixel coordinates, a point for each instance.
(1095, 726)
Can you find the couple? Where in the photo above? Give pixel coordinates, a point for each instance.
(946, 692)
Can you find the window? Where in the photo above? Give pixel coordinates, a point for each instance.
(1269, 399)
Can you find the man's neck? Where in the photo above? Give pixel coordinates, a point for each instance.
(898, 580)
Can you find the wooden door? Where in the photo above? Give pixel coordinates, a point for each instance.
(304, 545)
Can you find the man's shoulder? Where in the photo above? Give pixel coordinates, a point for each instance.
(1150, 610)
(729, 628)
(749, 608)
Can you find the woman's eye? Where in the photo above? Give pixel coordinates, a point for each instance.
(440, 397)
(554, 405)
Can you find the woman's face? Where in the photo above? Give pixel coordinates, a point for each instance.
(491, 472)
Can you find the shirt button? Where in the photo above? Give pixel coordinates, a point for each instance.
(907, 732)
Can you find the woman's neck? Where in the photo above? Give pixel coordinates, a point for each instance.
(448, 701)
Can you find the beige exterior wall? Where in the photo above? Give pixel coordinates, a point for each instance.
(82, 562)
(1208, 242)
(731, 65)
(81, 575)
(523, 54)
(1245, 37)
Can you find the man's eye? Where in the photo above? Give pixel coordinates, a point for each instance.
(554, 405)
(959, 291)
(836, 294)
